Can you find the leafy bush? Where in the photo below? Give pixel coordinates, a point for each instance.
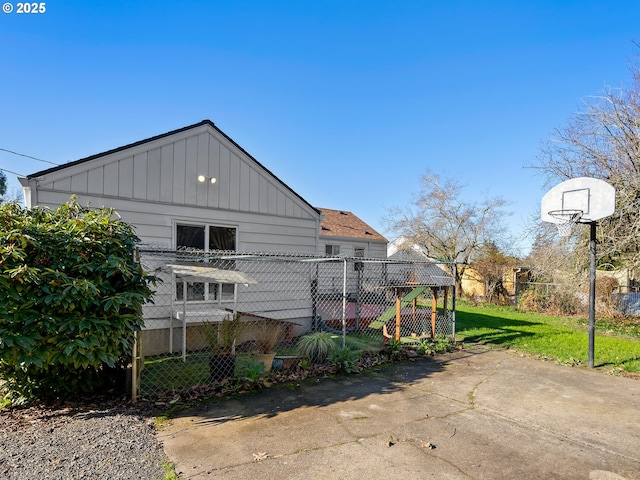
(72, 298)
(439, 344)
(394, 347)
(346, 359)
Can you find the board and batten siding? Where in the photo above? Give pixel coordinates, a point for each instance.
(154, 185)
(167, 174)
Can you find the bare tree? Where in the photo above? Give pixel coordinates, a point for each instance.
(603, 141)
(493, 267)
(7, 195)
(446, 226)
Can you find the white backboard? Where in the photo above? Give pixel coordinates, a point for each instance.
(594, 197)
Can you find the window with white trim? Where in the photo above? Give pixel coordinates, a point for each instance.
(332, 250)
(206, 238)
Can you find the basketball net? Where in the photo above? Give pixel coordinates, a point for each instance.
(566, 220)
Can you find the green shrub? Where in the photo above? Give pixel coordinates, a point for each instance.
(346, 359)
(72, 298)
(439, 344)
(395, 349)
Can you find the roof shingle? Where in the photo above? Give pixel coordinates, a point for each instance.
(340, 223)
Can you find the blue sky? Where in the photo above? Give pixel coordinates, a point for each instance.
(347, 102)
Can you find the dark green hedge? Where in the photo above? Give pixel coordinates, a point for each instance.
(72, 296)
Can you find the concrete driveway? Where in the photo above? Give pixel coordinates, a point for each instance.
(472, 414)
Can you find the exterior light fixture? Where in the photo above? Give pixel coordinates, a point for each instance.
(202, 179)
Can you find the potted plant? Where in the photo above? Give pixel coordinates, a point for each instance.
(222, 339)
(316, 346)
(268, 334)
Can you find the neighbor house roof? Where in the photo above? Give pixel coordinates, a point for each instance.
(403, 249)
(158, 137)
(340, 223)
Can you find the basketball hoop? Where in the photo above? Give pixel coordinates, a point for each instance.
(565, 220)
(581, 200)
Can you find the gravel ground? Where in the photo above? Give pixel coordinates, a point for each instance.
(79, 443)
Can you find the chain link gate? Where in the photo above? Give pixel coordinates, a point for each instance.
(216, 315)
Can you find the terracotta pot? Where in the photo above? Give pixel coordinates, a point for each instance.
(266, 358)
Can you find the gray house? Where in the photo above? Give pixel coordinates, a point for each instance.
(195, 189)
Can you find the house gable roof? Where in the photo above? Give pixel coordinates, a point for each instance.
(340, 223)
(206, 123)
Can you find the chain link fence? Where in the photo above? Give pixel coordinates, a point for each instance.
(216, 315)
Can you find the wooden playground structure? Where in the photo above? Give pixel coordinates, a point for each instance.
(405, 320)
(406, 296)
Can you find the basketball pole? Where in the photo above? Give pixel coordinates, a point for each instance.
(592, 290)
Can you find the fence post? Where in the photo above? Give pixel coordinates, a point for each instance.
(453, 302)
(344, 303)
(134, 369)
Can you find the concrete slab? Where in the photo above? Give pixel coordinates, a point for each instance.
(477, 413)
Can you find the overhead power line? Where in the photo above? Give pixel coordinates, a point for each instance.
(9, 171)
(28, 156)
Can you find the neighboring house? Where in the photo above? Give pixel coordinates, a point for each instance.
(626, 278)
(342, 233)
(474, 284)
(402, 249)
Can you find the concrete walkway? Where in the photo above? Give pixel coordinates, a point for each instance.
(473, 414)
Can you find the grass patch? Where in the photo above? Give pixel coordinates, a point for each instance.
(170, 471)
(362, 342)
(167, 373)
(621, 327)
(563, 339)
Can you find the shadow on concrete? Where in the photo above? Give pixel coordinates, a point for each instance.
(316, 392)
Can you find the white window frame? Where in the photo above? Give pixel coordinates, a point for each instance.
(217, 297)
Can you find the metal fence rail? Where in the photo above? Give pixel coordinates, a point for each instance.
(217, 314)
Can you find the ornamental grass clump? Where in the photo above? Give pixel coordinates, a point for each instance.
(316, 346)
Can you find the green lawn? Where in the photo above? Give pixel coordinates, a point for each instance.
(565, 340)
